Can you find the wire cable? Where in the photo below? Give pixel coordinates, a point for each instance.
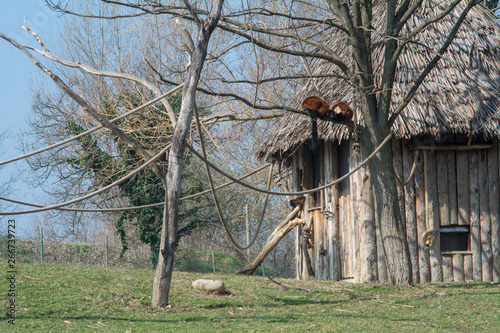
(21, 212)
(121, 209)
(314, 190)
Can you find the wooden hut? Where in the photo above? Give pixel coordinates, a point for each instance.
(454, 118)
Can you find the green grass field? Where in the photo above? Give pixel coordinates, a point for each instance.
(61, 298)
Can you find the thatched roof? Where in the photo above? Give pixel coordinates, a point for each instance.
(460, 95)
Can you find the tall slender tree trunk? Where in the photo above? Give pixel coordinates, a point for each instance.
(390, 222)
(168, 242)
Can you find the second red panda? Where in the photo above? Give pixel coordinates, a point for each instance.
(342, 112)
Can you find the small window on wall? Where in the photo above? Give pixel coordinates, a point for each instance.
(454, 238)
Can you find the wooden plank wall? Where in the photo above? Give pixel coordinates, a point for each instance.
(463, 189)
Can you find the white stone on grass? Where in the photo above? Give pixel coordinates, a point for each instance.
(213, 286)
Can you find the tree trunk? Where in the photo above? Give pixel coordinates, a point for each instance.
(168, 242)
(392, 227)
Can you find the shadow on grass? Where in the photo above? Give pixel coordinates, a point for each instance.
(467, 285)
(303, 301)
(286, 317)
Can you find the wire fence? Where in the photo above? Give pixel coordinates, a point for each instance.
(43, 251)
(65, 253)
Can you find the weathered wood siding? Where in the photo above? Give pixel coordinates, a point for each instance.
(463, 190)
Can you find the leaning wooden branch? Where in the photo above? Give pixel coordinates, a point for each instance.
(291, 223)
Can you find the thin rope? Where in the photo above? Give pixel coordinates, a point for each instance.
(121, 209)
(214, 195)
(88, 210)
(338, 180)
(60, 143)
(412, 172)
(429, 234)
(21, 212)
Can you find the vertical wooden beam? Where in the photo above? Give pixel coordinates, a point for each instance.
(423, 253)
(332, 251)
(435, 250)
(411, 217)
(328, 177)
(458, 268)
(316, 235)
(356, 217)
(298, 255)
(447, 268)
(462, 186)
(308, 179)
(475, 233)
(300, 179)
(442, 186)
(452, 185)
(484, 217)
(319, 246)
(494, 188)
(352, 233)
(468, 267)
(344, 239)
(335, 227)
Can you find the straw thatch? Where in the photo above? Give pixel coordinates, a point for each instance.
(460, 95)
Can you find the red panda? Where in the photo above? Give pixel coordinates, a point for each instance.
(342, 112)
(315, 106)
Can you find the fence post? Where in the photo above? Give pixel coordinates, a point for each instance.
(247, 223)
(106, 250)
(41, 245)
(213, 260)
(263, 271)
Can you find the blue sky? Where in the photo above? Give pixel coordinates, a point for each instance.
(16, 74)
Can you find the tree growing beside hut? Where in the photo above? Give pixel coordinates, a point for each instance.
(430, 78)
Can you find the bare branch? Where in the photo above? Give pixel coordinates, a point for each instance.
(234, 117)
(45, 52)
(433, 62)
(418, 29)
(192, 12)
(405, 11)
(328, 54)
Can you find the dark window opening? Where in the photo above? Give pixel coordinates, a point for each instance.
(454, 238)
